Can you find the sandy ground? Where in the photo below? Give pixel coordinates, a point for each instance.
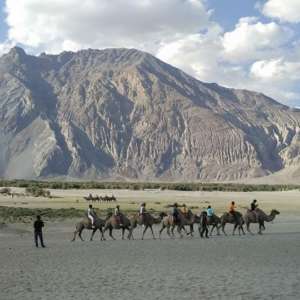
(232, 267)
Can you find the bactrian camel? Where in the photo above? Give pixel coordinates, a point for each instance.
(113, 223)
(147, 220)
(237, 221)
(168, 222)
(86, 224)
(258, 216)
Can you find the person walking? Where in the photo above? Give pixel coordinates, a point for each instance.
(204, 225)
(38, 231)
(175, 213)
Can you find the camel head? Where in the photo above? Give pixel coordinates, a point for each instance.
(275, 212)
(162, 215)
(109, 214)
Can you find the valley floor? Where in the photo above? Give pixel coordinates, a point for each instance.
(222, 267)
(232, 267)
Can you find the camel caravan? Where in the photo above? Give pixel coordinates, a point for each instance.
(97, 198)
(182, 220)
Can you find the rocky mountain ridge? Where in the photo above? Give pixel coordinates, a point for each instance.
(124, 114)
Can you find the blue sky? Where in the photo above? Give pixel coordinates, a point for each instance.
(249, 44)
(3, 27)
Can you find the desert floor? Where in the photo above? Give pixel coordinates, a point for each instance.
(222, 267)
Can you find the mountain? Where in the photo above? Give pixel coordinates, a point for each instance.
(122, 113)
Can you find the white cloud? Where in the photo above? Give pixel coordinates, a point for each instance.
(56, 25)
(204, 56)
(197, 54)
(5, 47)
(285, 10)
(254, 55)
(276, 69)
(254, 40)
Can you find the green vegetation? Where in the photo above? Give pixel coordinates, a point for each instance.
(20, 214)
(37, 191)
(222, 187)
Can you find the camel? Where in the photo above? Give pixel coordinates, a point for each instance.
(214, 221)
(112, 223)
(259, 217)
(147, 220)
(228, 218)
(168, 222)
(86, 224)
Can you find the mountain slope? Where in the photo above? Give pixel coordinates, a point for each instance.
(122, 113)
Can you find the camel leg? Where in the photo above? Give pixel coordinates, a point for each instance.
(129, 229)
(164, 226)
(79, 234)
(242, 228)
(102, 238)
(199, 229)
(172, 230)
(130, 234)
(248, 228)
(144, 231)
(212, 229)
(169, 233)
(123, 232)
(234, 228)
(191, 230)
(179, 231)
(74, 237)
(260, 227)
(152, 232)
(92, 235)
(110, 233)
(218, 229)
(161, 230)
(183, 228)
(223, 228)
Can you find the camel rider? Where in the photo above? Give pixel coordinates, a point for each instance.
(175, 213)
(91, 214)
(142, 211)
(232, 211)
(210, 212)
(184, 210)
(118, 215)
(253, 207)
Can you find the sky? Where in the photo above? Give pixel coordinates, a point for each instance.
(248, 44)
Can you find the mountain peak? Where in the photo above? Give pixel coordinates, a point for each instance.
(124, 113)
(17, 52)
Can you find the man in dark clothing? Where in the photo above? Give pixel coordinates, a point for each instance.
(204, 227)
(175, 213)
(38, 231)
(253, 208)
(254, 205)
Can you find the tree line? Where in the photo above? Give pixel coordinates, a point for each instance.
(177, 186)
